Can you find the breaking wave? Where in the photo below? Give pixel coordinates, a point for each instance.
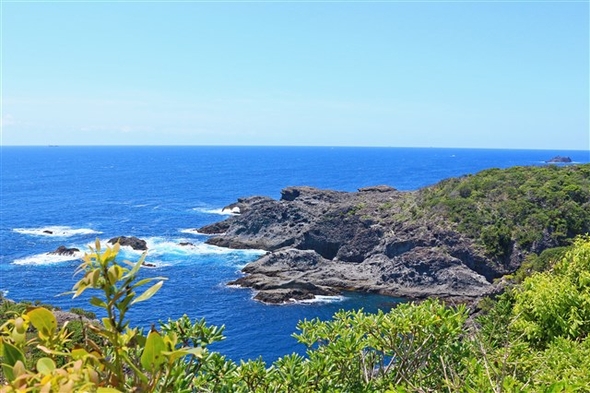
(223, 211)
(48, 259)
(56, 231)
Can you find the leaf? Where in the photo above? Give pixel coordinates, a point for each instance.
(107, 390)
(79, 353)
(12, 354)
(148, 293)
(97, 302)
(107, 324)
(45, 366)
(145, 281)
(43, 320)
(7, 370)
(196, 352)
(152, 356)
(136, 267)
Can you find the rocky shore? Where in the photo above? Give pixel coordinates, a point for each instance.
(321, 242)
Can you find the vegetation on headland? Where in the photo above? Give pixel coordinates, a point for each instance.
(530, 208)
(533, 338)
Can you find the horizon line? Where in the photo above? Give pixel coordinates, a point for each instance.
(295, 146)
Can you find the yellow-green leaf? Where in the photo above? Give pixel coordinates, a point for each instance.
(45, 366)
(148, 293)
(107, 324)
(153, 356)
(97, 302)
(136, 267)
(43, 320)
(79, 353)
(173, 355)
(107, 390)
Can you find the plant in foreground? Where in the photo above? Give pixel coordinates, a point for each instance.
(124, 359)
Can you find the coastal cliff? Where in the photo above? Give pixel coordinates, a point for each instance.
(450, 240)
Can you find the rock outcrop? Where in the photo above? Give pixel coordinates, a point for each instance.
(322, 242)
(63, 250)
(132, 241)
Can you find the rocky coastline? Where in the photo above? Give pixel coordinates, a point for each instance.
(454, 240)
(322, 242)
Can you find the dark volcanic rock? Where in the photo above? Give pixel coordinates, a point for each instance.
(186, 244)
(381, 188)
(561, 159)
(133, 242)
(322, 242)
(63, 250)
(215, 229)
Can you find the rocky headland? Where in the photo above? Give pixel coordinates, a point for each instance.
(451, 240)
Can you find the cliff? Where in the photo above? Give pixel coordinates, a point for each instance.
(450, 240)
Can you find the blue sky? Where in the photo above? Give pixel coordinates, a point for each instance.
(441, 74)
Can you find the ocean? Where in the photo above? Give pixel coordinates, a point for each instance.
(53, 196)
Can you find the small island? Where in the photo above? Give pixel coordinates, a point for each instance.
(560, 159)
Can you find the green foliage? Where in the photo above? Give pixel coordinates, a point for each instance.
(538, 263)
(533, 207)
(557, 303)
(410, 345)
(83, 313)
(537, 334)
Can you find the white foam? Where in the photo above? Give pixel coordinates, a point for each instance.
(48, 259)
(192, 231)
(160, 246)
(56, 231)
(322, 299)
(222, 212)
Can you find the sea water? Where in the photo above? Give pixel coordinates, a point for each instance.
(52, 196)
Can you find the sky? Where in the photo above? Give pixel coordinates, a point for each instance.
(492, 74)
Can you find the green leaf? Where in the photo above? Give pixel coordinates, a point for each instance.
(43, 320)
(107, 323)
(45, 366)
(152, 356)
(145, 281)
(79, 353)
(198, 352)
(97, 302)
(107, 390)
(12, 354)
(148, 293)
(136, 267)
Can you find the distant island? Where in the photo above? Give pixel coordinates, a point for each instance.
(452, 240)
(559, 159)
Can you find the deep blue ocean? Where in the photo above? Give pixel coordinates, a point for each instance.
(161, 193)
